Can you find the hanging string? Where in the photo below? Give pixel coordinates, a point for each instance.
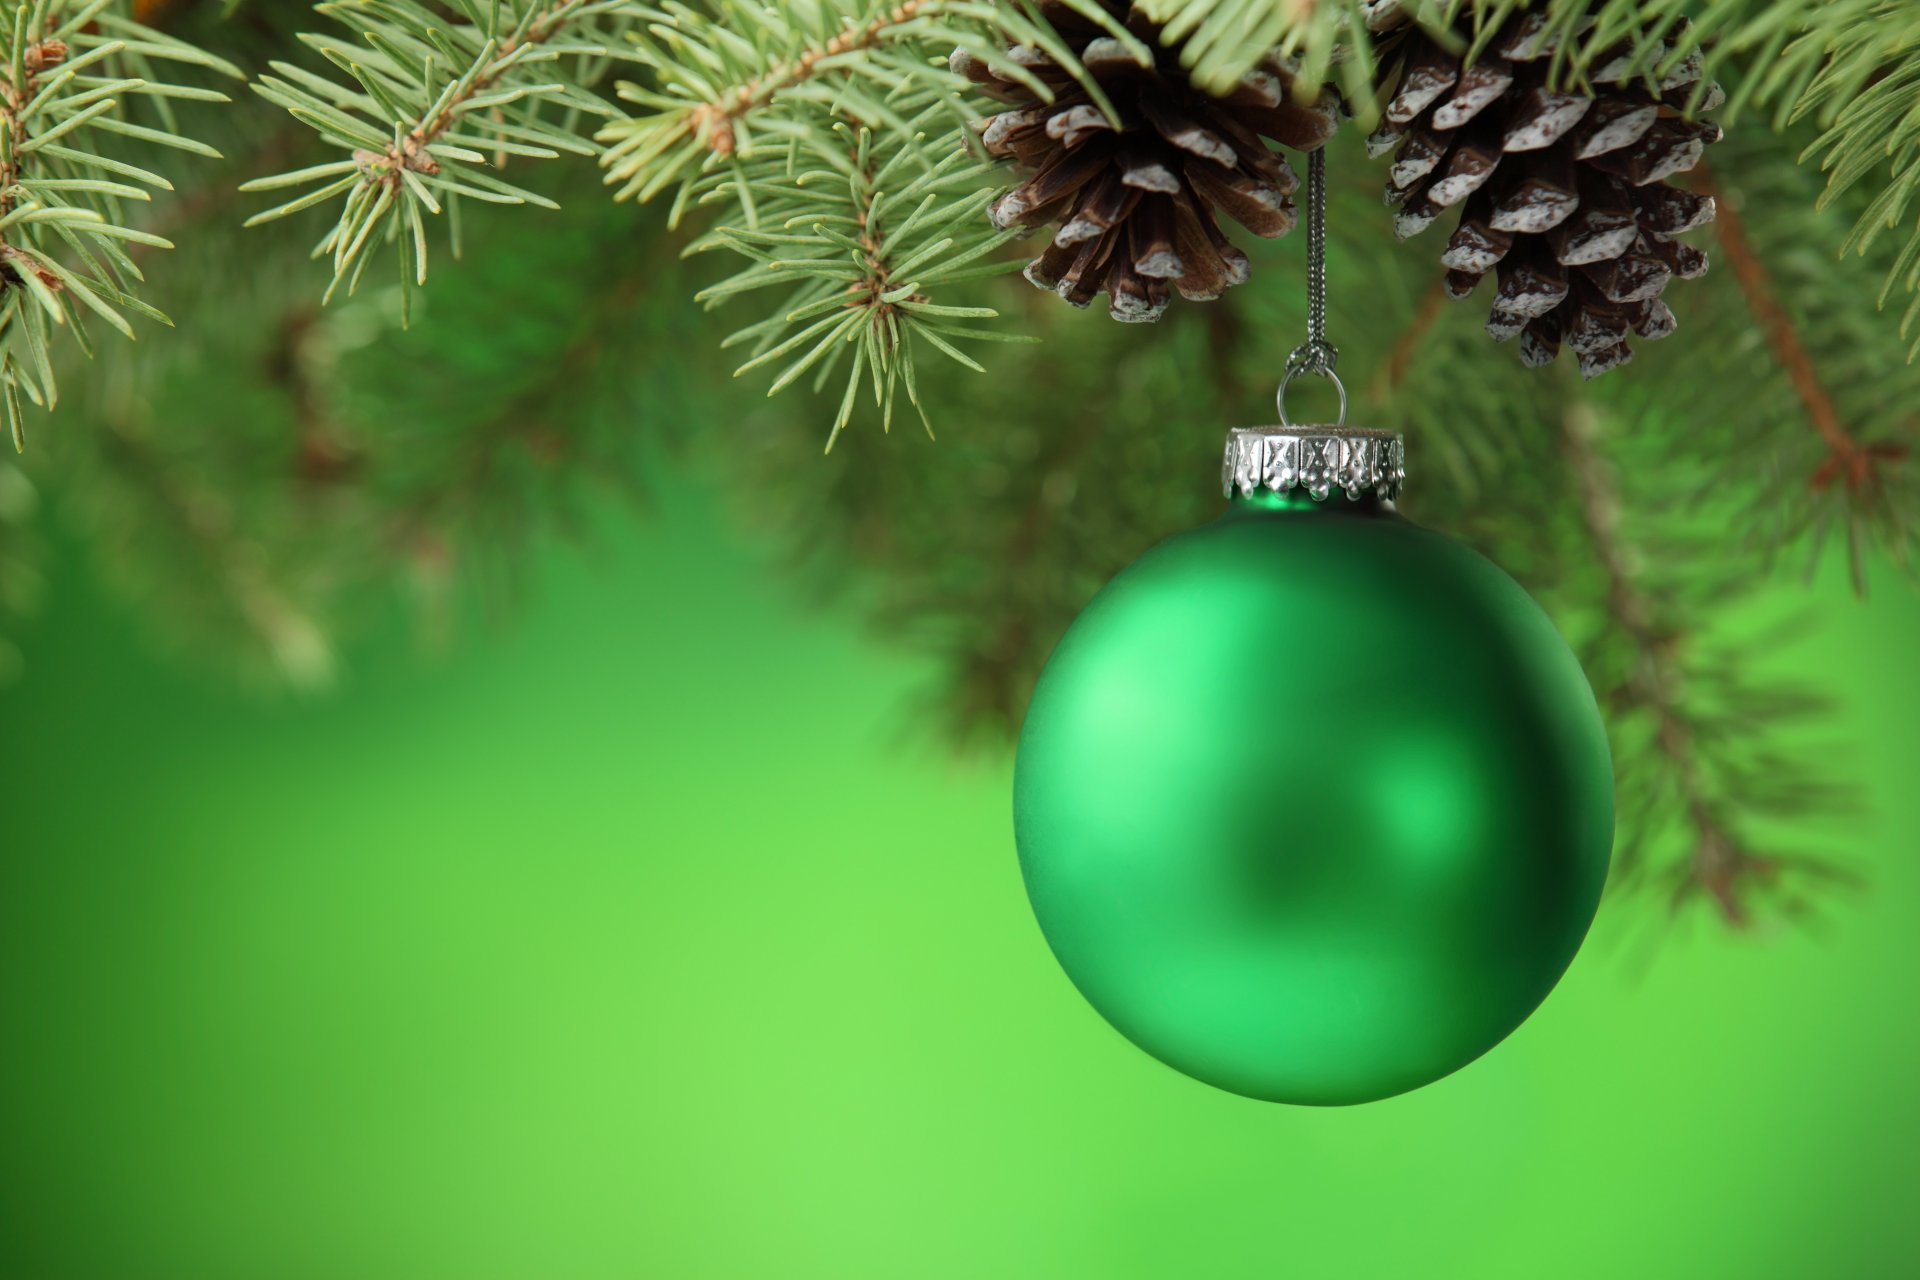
(1316, 355)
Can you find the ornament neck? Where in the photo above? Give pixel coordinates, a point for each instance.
(1266, 500)
(1315, 463)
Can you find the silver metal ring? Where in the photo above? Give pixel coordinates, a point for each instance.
(1294, 371)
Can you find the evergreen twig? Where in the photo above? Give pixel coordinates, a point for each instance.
(862, 241)
(437, 110)
(1855, 468)
(732, 81)
(144, 495)
(822, 145)
(1858, 73)
(1719, 863)
(67, 70)
(1800, 403)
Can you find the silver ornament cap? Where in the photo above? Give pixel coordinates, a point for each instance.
(1319, 459)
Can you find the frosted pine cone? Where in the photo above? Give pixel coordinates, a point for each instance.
(1562, 194)
(1136, 204)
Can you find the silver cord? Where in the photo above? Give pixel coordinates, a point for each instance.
(1316, 355)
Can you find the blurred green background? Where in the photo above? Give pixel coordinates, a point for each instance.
(646, 936)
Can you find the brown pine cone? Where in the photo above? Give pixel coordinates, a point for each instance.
(1136, 203)
(1562, 194)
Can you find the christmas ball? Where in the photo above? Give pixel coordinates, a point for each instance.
(1312, 803)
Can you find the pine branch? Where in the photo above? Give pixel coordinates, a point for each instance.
(70, 67)
(861, 242)
(1338, 41)
(978, 552)
(1222, 40)
(138, 495)
(1719, 864)
(826, 141)
(997, 678)
(437, 111)
(1696, 764)
(439, 522)
(1808, 394)
(735, 81)
(1855, 465)
(718, 124)
(352, 462)
(1861, 71)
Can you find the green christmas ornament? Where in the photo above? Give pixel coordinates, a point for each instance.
(1313, 804)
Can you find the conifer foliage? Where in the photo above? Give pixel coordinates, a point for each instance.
(843, 183)
(74, 70)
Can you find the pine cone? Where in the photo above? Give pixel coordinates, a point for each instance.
(1562, 194)
(1136, 204)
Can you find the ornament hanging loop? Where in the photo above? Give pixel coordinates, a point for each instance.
(1325, 371)
(1316, 355)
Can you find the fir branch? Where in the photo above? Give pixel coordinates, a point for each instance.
(436, 525)
(1220, 41)
(1855, 465)
(996, 678)
(1861, 71)
(1719, 863)
(139, 494)
(1809, 394)
(350, 463)
(861, 243)
(436, 111)
(735, 80)
(1705, 764)
(712, 124)
(1337, 41)
(67, 69)
(826, 140)
(978, 552)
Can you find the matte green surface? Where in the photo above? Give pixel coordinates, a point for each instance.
(1313, 804)
(628, 943)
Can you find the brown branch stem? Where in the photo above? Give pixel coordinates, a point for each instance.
(1400, 358)
(13, 100)
(411, 151)
(713, 121)
(1756, 283)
